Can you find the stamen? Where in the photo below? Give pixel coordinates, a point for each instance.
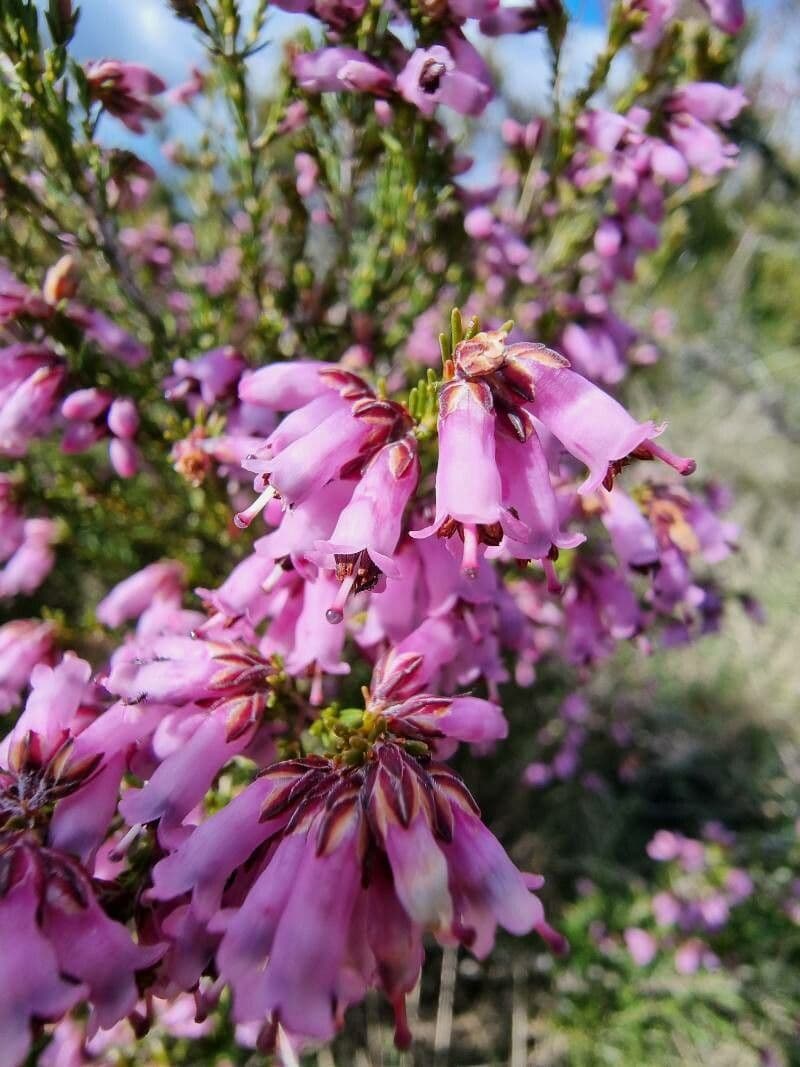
(472, 626)
(335, 612)
(555, 941)
(244, 518)
(402, 1032)
(217, 619)
(682, 464)
(118, 851)
(553, 584)
(317, 696)
(273, 578)
(285, 1049)
(469, 561)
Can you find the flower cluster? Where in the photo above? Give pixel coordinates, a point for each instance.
(34, 375)
(704, 888)
(251, 788)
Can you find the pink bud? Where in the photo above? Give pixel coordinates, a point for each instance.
(123, 419)
(124, 457)
(85, 404)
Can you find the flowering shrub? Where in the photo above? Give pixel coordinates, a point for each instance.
(244, 793)
(682, 956)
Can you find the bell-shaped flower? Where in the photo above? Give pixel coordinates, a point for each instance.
(285, 386)
(362, 860)
(433, 76)
(125, 90)
(527, 488)
(340, 70)
(128, 599)
(318, 646)
(363, 542)
(594, 427)
(468, 487)
(24, 643)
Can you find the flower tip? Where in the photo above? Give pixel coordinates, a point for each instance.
(402, 1032)
(554, 586)
(334, 616)
(242, 520)
(555, 941)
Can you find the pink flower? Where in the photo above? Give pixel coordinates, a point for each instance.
(665, 846)
(158, 581)
(84, 405)
(24, 643)
(307, 173)
(123, 418)
(519, 19)
(642, 946)
(592, 426)
(124, 457)
(708, 101)
(339, 14)
(667, 909)
(364, 540)
(432, 76)
(54, 784)
(215, 374)
(468, 486)
(124, 90)
(31, 985)
(17, 300)
(693, 955)
(729, 15)
(318, 646)
(303, 526)
(51, 919)
(527, 489)
(108, 337)
(632, 536)
(702, 146)
(30, 564)
(51, 712)
(27, 408)
(340, 70)
(188, 90)
(363, 860)
(330, 436)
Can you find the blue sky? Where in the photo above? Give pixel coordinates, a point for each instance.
(146, 31)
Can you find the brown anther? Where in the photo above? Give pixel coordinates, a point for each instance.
(480, 355)
(430, 77)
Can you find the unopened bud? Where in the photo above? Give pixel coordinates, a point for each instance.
(60, 281)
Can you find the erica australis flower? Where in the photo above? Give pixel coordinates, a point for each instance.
(432, 76)
(125, 90)
(210, 809)
(332, 435)
(367, 850)
(27, 568)
(130, 598)
(23, 644)
(59, 946)
(340, 70)
(365, 537)
(493, 483)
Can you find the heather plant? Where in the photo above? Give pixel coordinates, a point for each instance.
(315, 483)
